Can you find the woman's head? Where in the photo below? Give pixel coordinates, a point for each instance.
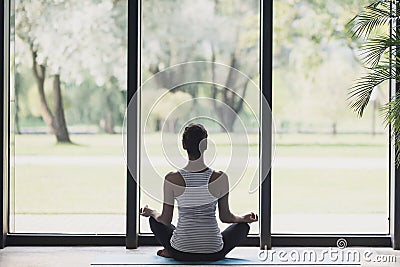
(194, 140)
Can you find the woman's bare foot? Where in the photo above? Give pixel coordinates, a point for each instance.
(163, 253)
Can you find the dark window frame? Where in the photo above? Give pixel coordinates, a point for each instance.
(4, 81)
(394, 173)
(133, 239)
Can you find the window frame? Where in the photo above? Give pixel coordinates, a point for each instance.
(132, 239)
(4, 96)
(394, 172)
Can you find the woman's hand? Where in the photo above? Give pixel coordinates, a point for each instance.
(146, 211)
(249, 218)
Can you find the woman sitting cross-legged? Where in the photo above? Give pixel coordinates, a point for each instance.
(197, 189)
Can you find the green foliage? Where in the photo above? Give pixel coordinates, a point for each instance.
(381, 62)
(226, 31)
(85, 42)
(315, 62)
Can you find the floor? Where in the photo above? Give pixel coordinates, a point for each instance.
(82, 256)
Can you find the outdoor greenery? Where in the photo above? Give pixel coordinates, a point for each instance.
(93, 86)
(379, 51)
(54, 187)
(74, 53)
(70, 75)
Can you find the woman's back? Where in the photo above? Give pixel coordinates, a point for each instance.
(197, 230)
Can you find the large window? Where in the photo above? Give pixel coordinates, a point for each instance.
(200, 63)
(330, 172)
(68, 67)
(197, 61)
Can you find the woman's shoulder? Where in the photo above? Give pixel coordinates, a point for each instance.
(216, 175)
(175, 177)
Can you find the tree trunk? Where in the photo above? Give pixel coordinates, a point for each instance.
(55, 123)
(158, 125)
(16, 129)
(334, 128)
(108, 118)
(61, 131)
(229, 121)
(230, 98)
(39, 72)
(109, 122)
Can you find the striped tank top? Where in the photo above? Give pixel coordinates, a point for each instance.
(197, 230)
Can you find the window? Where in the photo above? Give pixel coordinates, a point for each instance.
(180, 85)
(331, 168)
(68, 63)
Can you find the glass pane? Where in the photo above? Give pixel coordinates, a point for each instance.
(68, 108)
(181, 84)
(330, 173)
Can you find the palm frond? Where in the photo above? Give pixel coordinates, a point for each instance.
(391, 111)
(374, 15)
(383, 63)
(374, 49)
(360, 93)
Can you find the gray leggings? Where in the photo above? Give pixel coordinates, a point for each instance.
(231, 236)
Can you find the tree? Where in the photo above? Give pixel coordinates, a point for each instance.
(314, 62)
(70, 39)
(170, 108)
(171, 37)
(26, 26)
(242, 55)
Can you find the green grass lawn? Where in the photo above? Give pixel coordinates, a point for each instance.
(59, 188)
(83, 144)
(69, 189)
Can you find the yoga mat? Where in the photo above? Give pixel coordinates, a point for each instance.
(139, 259)
(151, 259)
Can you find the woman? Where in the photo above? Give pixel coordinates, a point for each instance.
(197, 190)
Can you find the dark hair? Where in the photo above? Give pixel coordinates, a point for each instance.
(192, 136)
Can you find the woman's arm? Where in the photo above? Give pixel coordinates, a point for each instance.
(165, 216)
(225, 215)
